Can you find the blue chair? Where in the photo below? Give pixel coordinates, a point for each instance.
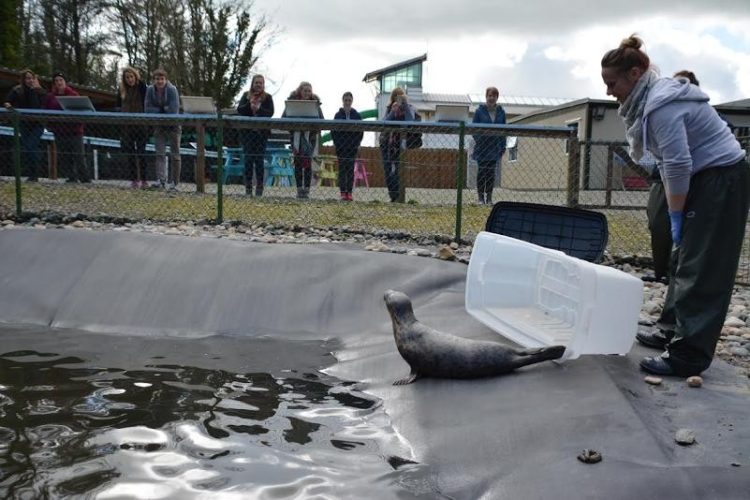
(280, 170)
(234, 164)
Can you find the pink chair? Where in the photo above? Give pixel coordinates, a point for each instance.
(360, 172)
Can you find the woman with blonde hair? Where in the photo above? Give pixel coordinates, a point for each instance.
(707, 186)
(255, 102)
(133, 138)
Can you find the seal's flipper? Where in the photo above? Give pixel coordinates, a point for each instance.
(408, 380)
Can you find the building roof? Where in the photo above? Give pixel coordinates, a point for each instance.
(570, 104)
(446, 98)
(374, 75)
(523, 100)
(742, 104)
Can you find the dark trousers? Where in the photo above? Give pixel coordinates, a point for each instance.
(254, 146)
(704, 266)
(71, 158)
(658, 225)
(133, 147)
(486, 178)
(302, 171)
(391, 154)
(31, 137)
(346, 169)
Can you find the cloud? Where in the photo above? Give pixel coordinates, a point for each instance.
(541, 48)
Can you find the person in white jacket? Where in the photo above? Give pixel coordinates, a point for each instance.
(707, 187)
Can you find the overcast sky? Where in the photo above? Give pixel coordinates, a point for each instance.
(542, 48)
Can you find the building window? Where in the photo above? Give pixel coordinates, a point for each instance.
(511, 146)
(409, 76)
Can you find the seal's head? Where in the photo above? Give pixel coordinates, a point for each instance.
(399, 307)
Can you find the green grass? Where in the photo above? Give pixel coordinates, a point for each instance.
(627, 228)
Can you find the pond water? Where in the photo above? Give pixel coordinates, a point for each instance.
(88, 415)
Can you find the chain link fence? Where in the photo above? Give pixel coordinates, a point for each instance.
(418, 178)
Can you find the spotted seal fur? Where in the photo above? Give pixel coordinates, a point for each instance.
(431, 353)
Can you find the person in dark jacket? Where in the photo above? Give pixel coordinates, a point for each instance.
(488, 148)
(68, 136)
(393, 143)
(130, 99)
(347, 144)
(707, 187)
(255, 102)
(28, 94)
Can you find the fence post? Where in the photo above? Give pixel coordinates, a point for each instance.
(460, 167)
(17, 160)
(219, 168)
(200, 158)
(610, 173)
(574, 164)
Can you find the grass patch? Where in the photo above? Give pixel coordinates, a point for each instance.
(628, 232)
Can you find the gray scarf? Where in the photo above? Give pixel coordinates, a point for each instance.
(631, 112)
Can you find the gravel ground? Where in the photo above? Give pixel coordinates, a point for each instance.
(733, 347)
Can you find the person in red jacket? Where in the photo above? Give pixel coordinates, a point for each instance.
(68, 136)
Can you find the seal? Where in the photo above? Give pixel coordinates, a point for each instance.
(431, 353)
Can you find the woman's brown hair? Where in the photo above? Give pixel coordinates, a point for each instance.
(627, 55)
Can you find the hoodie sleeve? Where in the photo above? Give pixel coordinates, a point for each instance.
(668, 135)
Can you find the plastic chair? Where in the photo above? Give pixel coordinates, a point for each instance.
(280, 171)
(328, 171)
(234, 164)
(361, 173)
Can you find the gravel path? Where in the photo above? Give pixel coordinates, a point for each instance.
(733, 347)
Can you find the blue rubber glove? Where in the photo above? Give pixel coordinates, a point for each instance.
(675, 221)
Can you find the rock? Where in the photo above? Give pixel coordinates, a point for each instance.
(77, 223)
(8, 222)
(172, 231)
(590, 457)
(739, 351)
(650, 379)
(684, 437)
(422, 252)
(651, 307)
(695, 381)
(446, 253)
(454, 245)
(734, 321)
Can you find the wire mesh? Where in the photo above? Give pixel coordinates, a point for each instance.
(419, 178)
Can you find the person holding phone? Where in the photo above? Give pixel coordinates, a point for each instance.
(393, 143)
(28, 94)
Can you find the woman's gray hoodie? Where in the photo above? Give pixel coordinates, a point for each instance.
(685, 134)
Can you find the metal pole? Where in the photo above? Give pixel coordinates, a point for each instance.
(17, 161)
(574, 155)
(610, 173)
(460, 166)
(219, 169)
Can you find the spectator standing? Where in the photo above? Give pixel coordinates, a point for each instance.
(393, 143)
(162, 98)
(488, 148)
(28, 94)
(255, 102)
(130, 99)
(68, 136)
(305, 143)
(347, 146)
(707, 186)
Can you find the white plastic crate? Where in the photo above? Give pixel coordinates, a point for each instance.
(539, 297)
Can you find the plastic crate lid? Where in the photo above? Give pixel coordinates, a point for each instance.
(577, 232)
